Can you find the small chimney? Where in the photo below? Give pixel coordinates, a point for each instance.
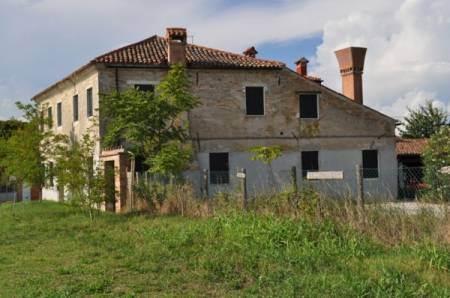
(176, 45)
(351, 65)
(250, 52)
(302, 66)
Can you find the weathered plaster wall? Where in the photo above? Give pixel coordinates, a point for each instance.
(64, 93)
(222, 113)
(220, 123)
(331, 158)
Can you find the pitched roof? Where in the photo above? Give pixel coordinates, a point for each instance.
(153, 52)
(410, 146)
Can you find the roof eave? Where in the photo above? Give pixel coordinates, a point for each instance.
(69, 77)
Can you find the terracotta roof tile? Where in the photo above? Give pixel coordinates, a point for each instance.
(153, 51)
(314, 79)
(410, 146)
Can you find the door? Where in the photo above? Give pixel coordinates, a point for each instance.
(110, 185)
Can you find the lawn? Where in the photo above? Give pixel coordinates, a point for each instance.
(52, 250)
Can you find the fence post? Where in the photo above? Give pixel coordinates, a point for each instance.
(244, 188)
(359, 189)
(205, 184)
(294, 180)
(132, 182)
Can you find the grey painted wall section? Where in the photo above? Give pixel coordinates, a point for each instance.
(260, 180)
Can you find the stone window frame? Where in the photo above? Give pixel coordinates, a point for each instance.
(317, 104)
(264, 99)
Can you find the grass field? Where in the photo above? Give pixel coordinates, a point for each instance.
(53, 250)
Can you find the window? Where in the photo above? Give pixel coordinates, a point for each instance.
(89, 109)
(310, 162)
(59, 114)
(50, 117)
(219, 168)
(145, 87)
(370, 163)
(308, 106)
(51, 175)
(75, 108)
(41, 120)
(254, 99)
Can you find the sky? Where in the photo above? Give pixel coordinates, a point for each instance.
(407, 62)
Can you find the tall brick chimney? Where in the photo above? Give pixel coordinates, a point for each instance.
(176, 45)
(302, 66)
(351, 65)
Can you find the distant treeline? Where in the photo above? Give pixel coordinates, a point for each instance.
(7, 127)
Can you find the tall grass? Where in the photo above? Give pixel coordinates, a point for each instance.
(383, 222)
(54, 250)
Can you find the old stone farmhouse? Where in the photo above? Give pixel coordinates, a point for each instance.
(246, 101)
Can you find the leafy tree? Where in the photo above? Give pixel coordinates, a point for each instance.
(147, 123)
(437, 156)
(424, 121)
(8, 127)
(76, 173)
(266, 154)
(23, 154)
(171, 159)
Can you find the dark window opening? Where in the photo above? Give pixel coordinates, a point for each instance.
(254, 98)
(90, 110)
(310, 162)
(75, 108)
(51, 175)
(370, 163)
(50, 117)
(219, 168)
(308, 106)
(145, 87)
(110, 186)
(140, 165)
(59, 114)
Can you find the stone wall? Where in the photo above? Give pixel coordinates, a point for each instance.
(63, 93)
(220, 123)
(222, 112)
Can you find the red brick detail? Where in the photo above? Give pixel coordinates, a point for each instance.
(351, 64)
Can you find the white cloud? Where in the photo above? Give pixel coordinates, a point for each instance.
(408, 58)
(408, 46)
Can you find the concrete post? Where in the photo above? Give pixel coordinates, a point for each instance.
(359, 189)
(205, 184)
(244, 188)
(294, 180)
(132, 183)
